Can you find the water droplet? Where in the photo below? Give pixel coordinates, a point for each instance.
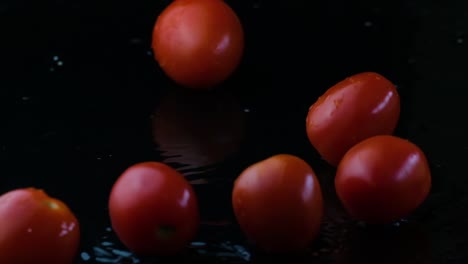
(105, 260)
(242, 252)
(85, 256)
(101, 252)
(25, 98)
(337, 102)
(107, 244)
(59, 63)
(66, 228)
(247, 110)
(149, 53)
(368, 24)
(109, 229)
(55, 58)
(460, 40)
(225, 254)
(198, 244)
(98, 158)
(122, 253)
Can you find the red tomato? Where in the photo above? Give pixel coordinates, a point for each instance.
(36, 228)
(382, 179)
(359, 107)
(278, 203)
(153, 209)
(198, 43)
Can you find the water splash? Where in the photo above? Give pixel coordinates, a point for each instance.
(57, 62)
(85, 256)
(108, 249)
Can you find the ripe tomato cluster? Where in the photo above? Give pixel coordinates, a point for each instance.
(277, 201)
(380, 178)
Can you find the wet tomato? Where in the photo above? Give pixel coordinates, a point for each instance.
(36, 228)
(278, 203)
(359, 107)
(153, 209)
(383, 179)
(198, 43)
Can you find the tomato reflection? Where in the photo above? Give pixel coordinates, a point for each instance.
(196, 130)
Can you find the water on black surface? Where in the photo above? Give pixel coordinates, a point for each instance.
(82, 99)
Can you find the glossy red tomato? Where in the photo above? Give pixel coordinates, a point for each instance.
(278, 203)
(359, 107)
(36, 228)
(153, 209)
(198, 43)
(383, 179)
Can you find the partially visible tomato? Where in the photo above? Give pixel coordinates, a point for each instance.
(35, 228)
(383, 179)
(153, 209)
(278, 203)
(359, 107)
(198, 43)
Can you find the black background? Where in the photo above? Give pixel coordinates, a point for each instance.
(79, 88)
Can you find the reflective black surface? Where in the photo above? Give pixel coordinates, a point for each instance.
(82, 98)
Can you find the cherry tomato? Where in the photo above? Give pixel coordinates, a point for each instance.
(36, 228)
(359, 107)
(383, 179)
(198, 43)
(278, 203)
(153, 209)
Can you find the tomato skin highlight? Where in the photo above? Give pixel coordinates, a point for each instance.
(278, 203)
(383, 179)
(198, 43)
(153, 209)
(36, 228)
(359, 107)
